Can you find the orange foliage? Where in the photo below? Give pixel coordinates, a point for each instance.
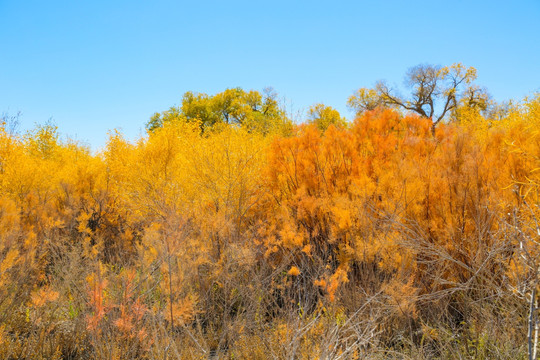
(181, 228)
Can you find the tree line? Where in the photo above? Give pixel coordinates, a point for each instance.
(229, 231)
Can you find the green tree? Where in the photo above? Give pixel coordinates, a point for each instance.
(237, 107)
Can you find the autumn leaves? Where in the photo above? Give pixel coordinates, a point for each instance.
(186, 241)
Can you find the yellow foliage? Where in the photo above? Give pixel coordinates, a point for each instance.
(234, 222)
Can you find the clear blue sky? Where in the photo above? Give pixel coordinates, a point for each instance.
(93, 66)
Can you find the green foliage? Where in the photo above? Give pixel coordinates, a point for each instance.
(249, 109)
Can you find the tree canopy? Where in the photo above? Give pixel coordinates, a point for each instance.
(252, 110)
(435, 92)
(323, 116)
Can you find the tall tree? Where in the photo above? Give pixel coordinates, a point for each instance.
(436, 93)
(250, 109)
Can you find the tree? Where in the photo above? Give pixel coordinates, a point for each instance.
(437, 92)
(323, 116)
(249, 109)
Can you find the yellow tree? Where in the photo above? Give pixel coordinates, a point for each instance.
(435, 92)
(323, 116)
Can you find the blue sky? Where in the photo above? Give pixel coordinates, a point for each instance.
(95, 66)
